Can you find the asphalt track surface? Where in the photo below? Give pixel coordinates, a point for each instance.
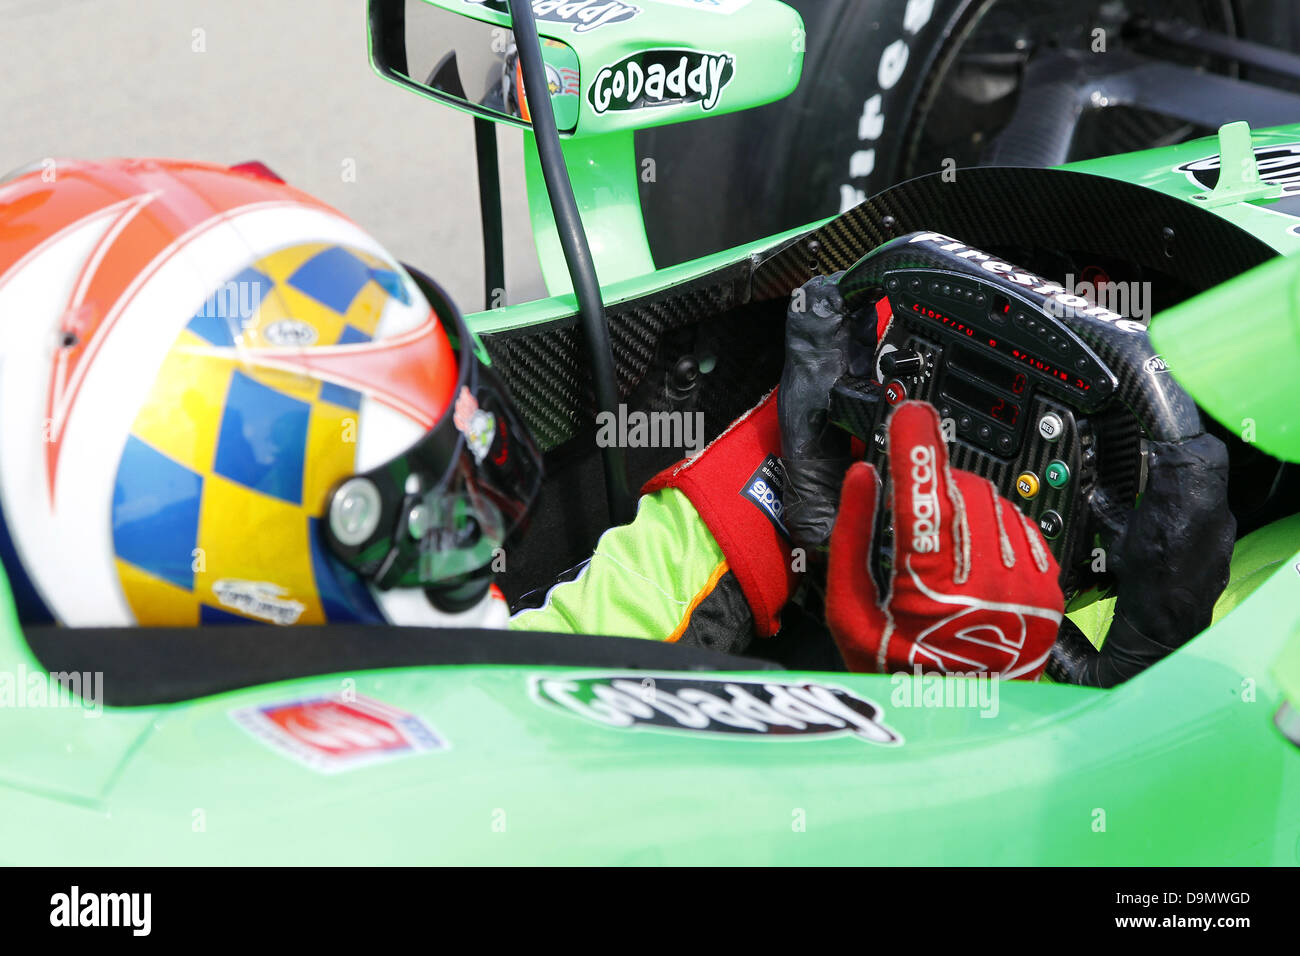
(287, 82)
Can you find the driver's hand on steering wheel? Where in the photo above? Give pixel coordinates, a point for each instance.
(973, 589)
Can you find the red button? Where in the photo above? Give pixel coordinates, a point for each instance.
(895, 392)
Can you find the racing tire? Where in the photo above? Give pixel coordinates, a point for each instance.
(870, 111)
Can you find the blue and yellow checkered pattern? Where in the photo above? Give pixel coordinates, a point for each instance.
(228, 465)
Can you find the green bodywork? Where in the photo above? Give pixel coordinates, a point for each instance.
(1158, 170)
(763, 38)
(1181, 765)
(1203, 347)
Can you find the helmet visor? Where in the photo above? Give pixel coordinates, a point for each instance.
(446, 507)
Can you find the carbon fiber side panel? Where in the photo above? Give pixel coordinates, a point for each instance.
(745, 343)
(997, 208)
(545, 366)
(992, 208)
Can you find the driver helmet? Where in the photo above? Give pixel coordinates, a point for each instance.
(223, 402)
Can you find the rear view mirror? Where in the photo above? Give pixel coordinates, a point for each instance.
(611, 66)
(466, 63)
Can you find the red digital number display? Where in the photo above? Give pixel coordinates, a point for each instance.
(973, 396)
(1005, 412)
(1007, 349)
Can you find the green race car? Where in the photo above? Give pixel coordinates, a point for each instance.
(362, 743)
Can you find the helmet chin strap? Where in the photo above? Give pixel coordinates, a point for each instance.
(412, 607)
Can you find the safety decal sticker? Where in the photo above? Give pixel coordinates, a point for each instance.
(331, 734)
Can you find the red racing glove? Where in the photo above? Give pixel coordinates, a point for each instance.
(974, 588)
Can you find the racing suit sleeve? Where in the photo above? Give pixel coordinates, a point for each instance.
(663, 577)
(706, 562)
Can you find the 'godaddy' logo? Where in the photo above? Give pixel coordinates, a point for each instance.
(661, 78)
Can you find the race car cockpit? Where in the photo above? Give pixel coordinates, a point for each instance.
(998, 283)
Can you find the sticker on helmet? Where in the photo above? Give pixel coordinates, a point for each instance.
(258, 599)
(292, 333)
(478, 426)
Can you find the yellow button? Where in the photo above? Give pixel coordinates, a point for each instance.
(1027, 484)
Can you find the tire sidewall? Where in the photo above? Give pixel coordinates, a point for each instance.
(872, 66)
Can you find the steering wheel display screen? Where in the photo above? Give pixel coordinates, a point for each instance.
(997, 407)
(1000, 376)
